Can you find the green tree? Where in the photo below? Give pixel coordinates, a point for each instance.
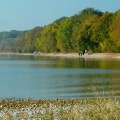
(29, 39)
(100, 32)
(64, 34)
(115, 32)
(81, 33)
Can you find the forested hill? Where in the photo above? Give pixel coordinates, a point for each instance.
(8, 39)
(89, 29)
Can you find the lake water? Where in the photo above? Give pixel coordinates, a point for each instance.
(54, 77)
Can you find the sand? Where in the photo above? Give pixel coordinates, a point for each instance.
(72, 55)
(76, 55)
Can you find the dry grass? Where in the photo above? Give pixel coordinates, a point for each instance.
(96, 109)
(8, 117)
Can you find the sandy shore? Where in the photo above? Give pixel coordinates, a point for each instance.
(76, 55)
(71, 55)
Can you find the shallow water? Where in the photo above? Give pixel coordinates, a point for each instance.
(54, 77)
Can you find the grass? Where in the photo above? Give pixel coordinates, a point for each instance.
(96, 109)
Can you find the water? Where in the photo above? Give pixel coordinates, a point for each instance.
(53, 77)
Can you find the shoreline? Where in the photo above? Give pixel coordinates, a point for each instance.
(76, 55)
(70, 55)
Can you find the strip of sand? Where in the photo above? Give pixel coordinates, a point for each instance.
(86, 55)
(71, 55)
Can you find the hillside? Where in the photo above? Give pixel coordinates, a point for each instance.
(8, 39)
(89, 29)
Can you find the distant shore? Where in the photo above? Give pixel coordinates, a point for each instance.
(69, 55)
(93, 55)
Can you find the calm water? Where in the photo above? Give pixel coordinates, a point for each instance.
(51, 78)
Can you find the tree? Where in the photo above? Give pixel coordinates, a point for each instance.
(115, 32)
(100, 31)
(64, 34)
(29, 39)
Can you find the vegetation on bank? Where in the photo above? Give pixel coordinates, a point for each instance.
(89, 29)
(97, 109)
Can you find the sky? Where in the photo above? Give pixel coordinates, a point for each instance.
(27, 14)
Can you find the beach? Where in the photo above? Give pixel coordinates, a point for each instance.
(86, 55)
(69, 55)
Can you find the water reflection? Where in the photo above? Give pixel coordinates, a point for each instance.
(54, 77)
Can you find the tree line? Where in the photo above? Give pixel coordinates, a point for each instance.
(90, 29)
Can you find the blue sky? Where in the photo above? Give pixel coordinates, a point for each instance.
(27, 14)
